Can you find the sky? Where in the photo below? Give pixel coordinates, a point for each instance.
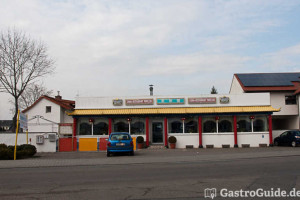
(182, 47)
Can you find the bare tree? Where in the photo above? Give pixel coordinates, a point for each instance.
(22, 61)
(32, 93)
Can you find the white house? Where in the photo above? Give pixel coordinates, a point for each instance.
(284, 89)
(48, 114)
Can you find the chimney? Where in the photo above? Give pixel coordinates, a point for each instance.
(151, 90)
(58, 97)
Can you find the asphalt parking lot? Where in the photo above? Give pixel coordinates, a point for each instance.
(150, 174)
(144, 156)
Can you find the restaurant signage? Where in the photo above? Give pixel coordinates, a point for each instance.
(170, 101)
(202, 100)
(131, 102)
(224, 100)
(117, 102)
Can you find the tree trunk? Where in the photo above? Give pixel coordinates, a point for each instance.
(14, 122)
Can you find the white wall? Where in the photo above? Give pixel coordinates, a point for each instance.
(278, 101)
(9, 139)
(186, 139)
(249, 99)
(65, 118)
(235, 88)
(40, 125)
(254, 139)
(218, 139)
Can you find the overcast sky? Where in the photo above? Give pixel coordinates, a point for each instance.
(184, 47)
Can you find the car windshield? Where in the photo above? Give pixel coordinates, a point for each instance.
(120, 137)
(297, 133)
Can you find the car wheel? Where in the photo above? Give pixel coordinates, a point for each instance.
(132, 153)
(276, 143)
(107, 154)
(294, 144)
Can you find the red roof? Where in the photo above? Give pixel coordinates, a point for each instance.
(295, 87)
(66, 104)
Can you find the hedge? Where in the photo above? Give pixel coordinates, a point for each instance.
(23, 151)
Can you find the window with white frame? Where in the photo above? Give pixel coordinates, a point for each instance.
(224, 125)
(290, 100)
(183, 125)
(121, 127)
(48, 109)
(176, 126)
(257, 123)
(244, 124)
(209, 125)
(100, 128)
(137, 128)
(85, 128)
(260, 124)
(191, 126)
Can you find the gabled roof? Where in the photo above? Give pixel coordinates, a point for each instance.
(66, 104)
(265, 82)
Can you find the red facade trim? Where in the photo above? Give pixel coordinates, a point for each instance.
(147, 131)
(66, 104)
(109, 126)
(200, 131)
(66, 124)
(166, 131)
(270, 131)
(235, 131)
(74, 139)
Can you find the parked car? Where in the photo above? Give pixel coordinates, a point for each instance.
(119, 143)
(288, 138)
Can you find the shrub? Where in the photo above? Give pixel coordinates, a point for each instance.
(3, 146)
(4, 154)
(140, 139)
(23, 151)
(28, 149)
(172, 139)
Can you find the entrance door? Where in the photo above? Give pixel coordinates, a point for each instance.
(157, 132)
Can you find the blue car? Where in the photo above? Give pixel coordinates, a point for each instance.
(288, 138)
(119, 143)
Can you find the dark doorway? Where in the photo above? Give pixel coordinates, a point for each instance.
(157, 132)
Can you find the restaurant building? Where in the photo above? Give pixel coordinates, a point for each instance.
(234, 120)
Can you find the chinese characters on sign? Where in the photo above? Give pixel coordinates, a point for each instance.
(202, 100)
(131, 102)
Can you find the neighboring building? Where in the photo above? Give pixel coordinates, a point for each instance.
(5, 125)
(200, 120)
(284, 89)
(48, 114)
